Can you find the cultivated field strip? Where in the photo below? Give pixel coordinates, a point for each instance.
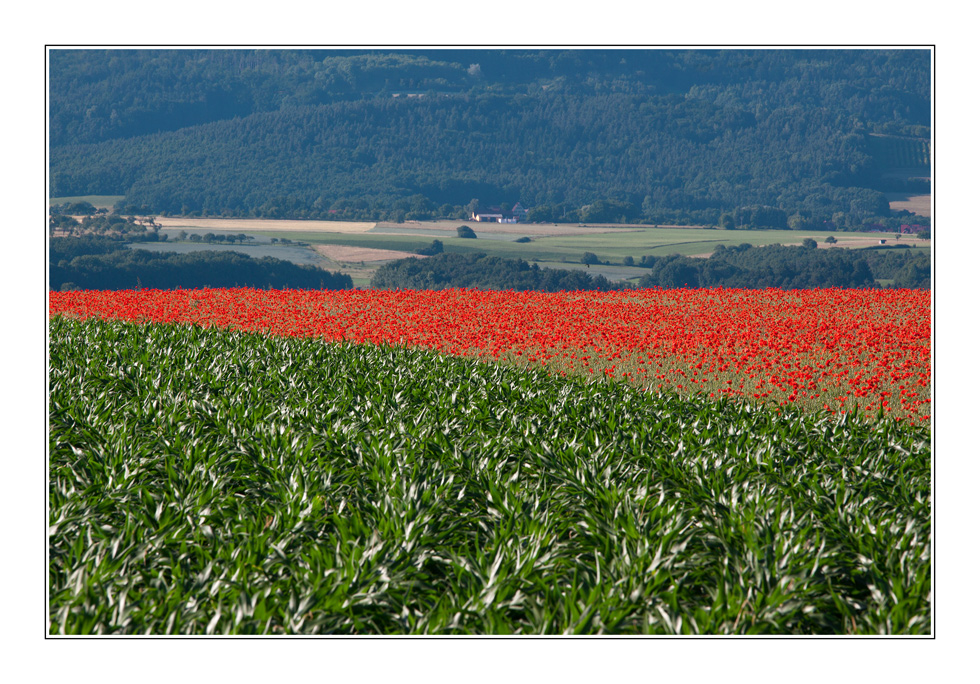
(205, 481)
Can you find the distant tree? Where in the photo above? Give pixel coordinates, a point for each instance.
(523, 238)
(465, 232)
(194, 237)
(674, 271)
(803, 221)
(727, 222)
(80, 208)
(607, 211)
(924, 235)
(831, 240)
(539, 213)
(916, 273)
(421, 208)
(809, 243)
(431, 250)
(64, 222)
(627, 260)
(182, 235)
(589, 258)
(763, 217)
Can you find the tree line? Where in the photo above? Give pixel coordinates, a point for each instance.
(100, 263)
(482, 272)
(743, 266)
(796, 268)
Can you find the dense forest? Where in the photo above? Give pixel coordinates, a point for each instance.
(743, 266)
(754, 138)
(100, 263)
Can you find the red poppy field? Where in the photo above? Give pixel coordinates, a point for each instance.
(824, 350)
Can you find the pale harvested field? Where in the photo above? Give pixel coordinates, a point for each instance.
(343, 253)
(542, 229)
(917, 204)
(246, 224)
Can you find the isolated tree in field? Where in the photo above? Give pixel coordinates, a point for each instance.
(831, 240)
(590, 258)
(433, 249)
(465, 232)
(809, 243)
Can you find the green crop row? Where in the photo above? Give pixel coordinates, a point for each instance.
(213, 482)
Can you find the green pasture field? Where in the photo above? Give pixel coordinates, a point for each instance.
(97, 201)
(203, 481)
(611, 272)
(612, 247)
(360, 277)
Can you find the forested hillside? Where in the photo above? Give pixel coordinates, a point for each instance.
(588, 135)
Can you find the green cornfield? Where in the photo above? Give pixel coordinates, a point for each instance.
(204, 481)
